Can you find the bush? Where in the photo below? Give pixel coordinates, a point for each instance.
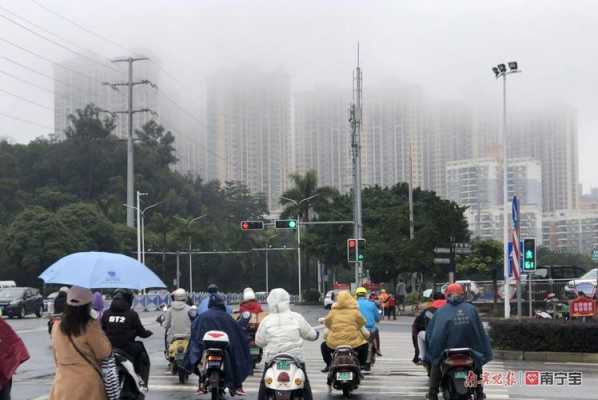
(545, 335)
(311, 296)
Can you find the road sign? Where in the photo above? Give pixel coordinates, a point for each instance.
(595, 255)
(442, 250)
(582, 306)
(462, 250)
(446, 261)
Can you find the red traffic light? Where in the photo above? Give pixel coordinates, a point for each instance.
(251, 225)
(352, 243)
(244, 226)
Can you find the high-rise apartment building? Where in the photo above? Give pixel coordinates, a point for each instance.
(248, 115)
(550, 137)
(79, 82)
(571, 231)
(322, 136)
(478, 185)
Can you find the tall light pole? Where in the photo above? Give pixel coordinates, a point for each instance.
(141, 225)
(500, 71)
(191, 221)
(298, 205)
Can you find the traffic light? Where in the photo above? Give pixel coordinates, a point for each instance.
(352, 250)
(361, 249)
(355, 250)
(529, 254)
(286, 224)
(252, 225)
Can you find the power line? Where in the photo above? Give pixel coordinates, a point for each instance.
(51, 40)
(26, 121)
(72, 22)
(26, 99)
(26, 82)
(47, 59)
(50, 77)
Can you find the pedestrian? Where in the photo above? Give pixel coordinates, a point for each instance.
(98, 304)
(384, 299)
(13, 354)
(79, 345)
(401, 295)
(392, 307)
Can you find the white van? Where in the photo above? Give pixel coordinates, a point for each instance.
(7, 284)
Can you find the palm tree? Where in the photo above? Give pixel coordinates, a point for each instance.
(304, 196)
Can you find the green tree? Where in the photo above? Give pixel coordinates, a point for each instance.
(36, 239)
(155, 137)
(548, 257)
(486, 260)
(86, 221)
(307, 193)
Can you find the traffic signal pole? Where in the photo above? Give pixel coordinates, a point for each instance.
(355, 120)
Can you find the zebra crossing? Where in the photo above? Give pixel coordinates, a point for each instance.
(393, 376)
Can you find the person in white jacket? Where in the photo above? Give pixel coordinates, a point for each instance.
(178, 318)
(283, 331)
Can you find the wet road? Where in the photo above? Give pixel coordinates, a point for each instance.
(394, 375)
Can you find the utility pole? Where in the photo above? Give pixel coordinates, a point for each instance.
(130, 145)
(355, 114)
(411, 222)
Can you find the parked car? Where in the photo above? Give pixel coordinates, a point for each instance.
(49, 302)
(20, 302)
(7, 284)
(586, 283)
(330, 298)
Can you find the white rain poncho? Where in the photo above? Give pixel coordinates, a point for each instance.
(283, 331)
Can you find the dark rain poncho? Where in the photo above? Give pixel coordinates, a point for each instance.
(457, 325)
(238, 364)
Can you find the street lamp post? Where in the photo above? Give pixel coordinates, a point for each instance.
(141, 225)
(191, 254)
(500, 71)
(298, 205)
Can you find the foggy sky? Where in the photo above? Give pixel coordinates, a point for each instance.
(446, 47)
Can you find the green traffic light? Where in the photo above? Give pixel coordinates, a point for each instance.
(292, 224)
(361, 257)
(529, 254)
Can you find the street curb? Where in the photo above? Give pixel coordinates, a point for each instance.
(511, 355)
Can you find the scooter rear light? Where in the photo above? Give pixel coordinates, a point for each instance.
(268, 380)
(283, 377)
(214, 358)
(459, 361)
(298, 381)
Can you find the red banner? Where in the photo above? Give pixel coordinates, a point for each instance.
(582, 307)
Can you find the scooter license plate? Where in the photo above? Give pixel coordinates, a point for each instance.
(283, 365)
(344, 376)
(460, 375)
(214, 364)
(255, 351)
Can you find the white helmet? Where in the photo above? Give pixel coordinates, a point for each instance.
(179, 295)
(248, 294)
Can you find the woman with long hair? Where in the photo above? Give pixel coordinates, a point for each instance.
(79, 345)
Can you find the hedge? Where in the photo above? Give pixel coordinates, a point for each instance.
(544, 335)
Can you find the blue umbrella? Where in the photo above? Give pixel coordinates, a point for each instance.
(97, 270)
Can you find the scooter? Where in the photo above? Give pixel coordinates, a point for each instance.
(345, 373)
(372, 350)
(250, 323)
(176, 358)
(132, 386)
(212, 374)
(554, 308)
(458, 378)
(284, 378)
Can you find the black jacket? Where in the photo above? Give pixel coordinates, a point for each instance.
(122, 325)
(60, 303)
(422, 320)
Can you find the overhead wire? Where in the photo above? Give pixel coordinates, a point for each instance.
(26, 121)
(26, 82)
(54, 42)
(26, 99)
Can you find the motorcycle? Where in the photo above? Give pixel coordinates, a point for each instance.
(344, 371)
(372, 350)
(212, 374)
(554, 308)
(131, 385)
(284, 378)
(176, 358)
(251, 324)
(458, 378)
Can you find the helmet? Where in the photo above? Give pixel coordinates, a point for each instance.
(179, 295)
(212, 289)
(248, 294)
(361, 291)
(64, 289)
(382, 290)
(454, 289)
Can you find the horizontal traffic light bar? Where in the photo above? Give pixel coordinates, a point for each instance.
(252, 225)
(286, 224)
